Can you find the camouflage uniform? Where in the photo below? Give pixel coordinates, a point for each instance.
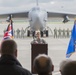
(68, 32)
(38, 41)
(22, 33)
(59, 35)
(64, 33)
(55, 33)
(18, 33)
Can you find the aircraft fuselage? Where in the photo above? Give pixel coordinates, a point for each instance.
(37, 19)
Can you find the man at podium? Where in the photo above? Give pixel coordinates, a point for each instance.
(37, 39)
(38, 46)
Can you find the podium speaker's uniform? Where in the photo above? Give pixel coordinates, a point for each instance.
(37, 49)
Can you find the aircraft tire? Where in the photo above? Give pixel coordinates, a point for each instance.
(28, 33)
(33, 34)
(41, 33)
(46, 33)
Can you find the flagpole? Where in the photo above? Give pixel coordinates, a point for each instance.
(11, 22)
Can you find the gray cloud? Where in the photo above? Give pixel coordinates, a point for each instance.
(16, 3)
(69, 5)
(13, 3)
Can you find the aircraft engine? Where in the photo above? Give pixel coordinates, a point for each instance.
(66, 19)
(9, 18)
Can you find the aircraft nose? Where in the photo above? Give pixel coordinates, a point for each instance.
(37, 17)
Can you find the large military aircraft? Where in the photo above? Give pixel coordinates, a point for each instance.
(38, 18)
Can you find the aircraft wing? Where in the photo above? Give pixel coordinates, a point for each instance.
(60, 13)
(14, 14)
(25, 13)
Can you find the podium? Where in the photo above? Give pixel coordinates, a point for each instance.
(37, 49)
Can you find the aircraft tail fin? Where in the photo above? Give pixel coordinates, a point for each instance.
(37, 2)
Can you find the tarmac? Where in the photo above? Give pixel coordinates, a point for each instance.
(57, 48)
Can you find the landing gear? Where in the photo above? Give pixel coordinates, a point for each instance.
(41, 33)
(28, 33)
(46, 33)
(33, 33)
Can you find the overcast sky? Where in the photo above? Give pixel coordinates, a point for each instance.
(52, 5)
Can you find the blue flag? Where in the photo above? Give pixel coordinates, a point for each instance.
(72, 43)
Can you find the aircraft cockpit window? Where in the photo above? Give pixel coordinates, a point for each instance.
(35, 9)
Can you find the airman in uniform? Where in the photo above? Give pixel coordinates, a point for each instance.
(59, 33)
(37, 39)
(22, 33)
(55, 32)
(64, 35)
(67, 31)
(18, 33)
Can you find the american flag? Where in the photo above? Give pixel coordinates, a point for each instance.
(8, 33)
